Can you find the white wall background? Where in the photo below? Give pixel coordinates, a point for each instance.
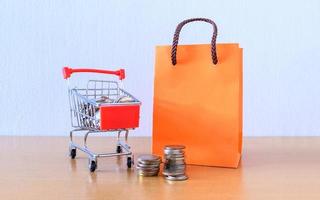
(281, 56)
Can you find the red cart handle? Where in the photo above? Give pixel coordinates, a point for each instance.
(68, 71)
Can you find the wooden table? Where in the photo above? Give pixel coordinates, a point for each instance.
(271, 168)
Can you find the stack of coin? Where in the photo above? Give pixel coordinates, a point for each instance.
(148, 165)
(174, 165)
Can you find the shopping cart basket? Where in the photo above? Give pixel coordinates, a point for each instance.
(103, 106)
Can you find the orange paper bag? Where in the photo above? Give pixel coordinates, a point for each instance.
(198, 100)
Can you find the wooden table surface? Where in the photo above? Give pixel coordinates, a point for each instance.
(271, 168)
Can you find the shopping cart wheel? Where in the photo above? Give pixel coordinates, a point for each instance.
(92, 165)
(129, 162)
(73, 153)
(119, 149)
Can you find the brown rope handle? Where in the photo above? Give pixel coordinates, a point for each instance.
(177, 33)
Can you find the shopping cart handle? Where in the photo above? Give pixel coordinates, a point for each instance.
(68, 71)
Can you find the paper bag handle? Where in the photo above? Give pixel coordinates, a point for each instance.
(177, 33)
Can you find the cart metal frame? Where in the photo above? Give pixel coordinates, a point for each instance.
(84, 108)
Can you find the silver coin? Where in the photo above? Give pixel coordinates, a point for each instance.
(175, 167)
(147, 165)
(177, 178)
(175, 159)
(147, 168)
(174, 150)
(148, 171)
(174, 155)
(171, 151)
(149, 157)
(148, 174)
(174, 162)
(174, 147)
(149, 162)
(173, 173)
(170, 170)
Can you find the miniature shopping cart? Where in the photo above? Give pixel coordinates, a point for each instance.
(103, 106)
